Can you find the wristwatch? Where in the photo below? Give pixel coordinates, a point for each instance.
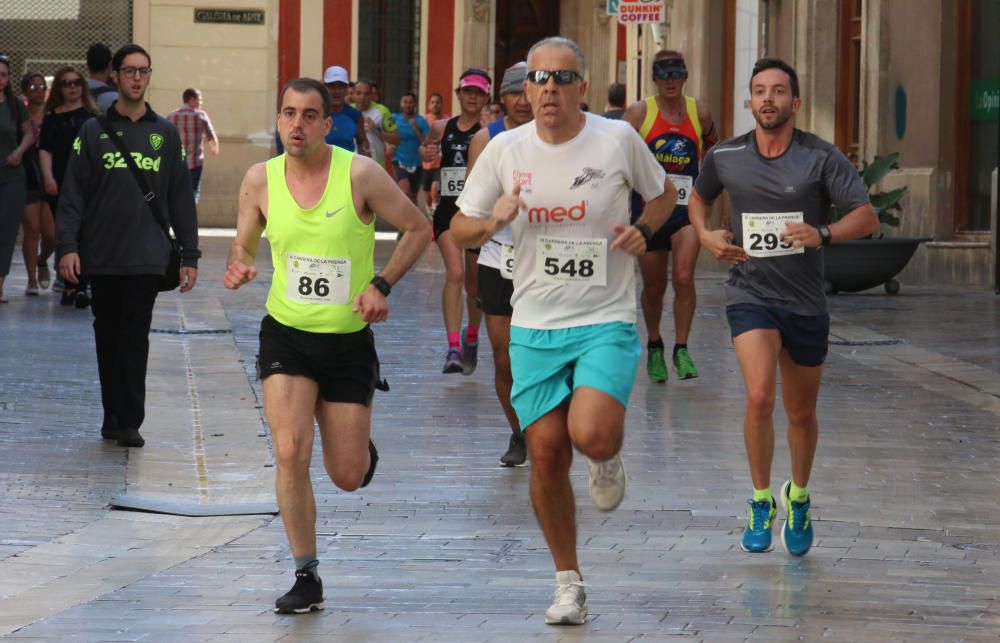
(824, 234)
(381, 285)
(647, 234)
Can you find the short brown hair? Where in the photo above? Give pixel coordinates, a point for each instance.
(304, 86)
(776, 63)
(664, 54)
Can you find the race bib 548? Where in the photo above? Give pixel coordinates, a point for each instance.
(572, 262)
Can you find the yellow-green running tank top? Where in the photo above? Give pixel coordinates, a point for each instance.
(323, 256)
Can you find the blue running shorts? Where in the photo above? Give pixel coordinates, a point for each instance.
(805, 337)
(548, 365)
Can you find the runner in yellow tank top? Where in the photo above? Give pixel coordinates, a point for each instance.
(317, 353)
(684, 126)
(323, 256)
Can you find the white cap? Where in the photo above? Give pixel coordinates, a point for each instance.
(336, 74)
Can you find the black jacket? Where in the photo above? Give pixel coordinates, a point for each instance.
(102, 214)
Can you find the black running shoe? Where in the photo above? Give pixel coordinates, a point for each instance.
(373, 452)
(130, 438)
(82, 299)
(109, 429)
(305, 596)
(517, 452)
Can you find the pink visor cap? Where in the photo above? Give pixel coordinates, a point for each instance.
(475, 80)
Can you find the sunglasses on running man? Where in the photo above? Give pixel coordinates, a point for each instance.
(669, 69)
(561, 76)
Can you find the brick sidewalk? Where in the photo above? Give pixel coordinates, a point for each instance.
(443, 545)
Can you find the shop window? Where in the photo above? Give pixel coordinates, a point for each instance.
(43, 36)
(983, 116)
(520, 24)
(848, 123)
(388, 47)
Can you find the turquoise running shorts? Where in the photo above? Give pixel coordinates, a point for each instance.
(548, 365)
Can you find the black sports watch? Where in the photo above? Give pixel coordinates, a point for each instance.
(824, 234)
(381, 285)
(647, 234)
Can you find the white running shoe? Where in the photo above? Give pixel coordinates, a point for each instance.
(569, 604)
(607, 482)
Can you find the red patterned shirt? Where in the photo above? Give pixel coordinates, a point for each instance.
(194, 127)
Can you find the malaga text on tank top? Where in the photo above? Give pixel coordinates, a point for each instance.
(677, 147)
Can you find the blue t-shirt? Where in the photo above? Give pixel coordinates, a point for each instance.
(496, 127)
(345, 128)
(408, 151)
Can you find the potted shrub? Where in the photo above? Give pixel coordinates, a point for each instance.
(852, 266)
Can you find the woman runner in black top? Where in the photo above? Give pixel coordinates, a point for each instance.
(450, 141)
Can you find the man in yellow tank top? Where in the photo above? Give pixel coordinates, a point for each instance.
(317, 353)
(679, 131)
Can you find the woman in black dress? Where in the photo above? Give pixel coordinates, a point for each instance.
(68, 107)
(15, 139)
(37, 223)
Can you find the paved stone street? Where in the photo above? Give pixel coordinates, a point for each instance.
(443, 545)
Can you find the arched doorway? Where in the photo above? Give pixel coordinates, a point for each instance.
(520, 24)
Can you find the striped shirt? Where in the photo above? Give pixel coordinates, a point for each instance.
(194, 127)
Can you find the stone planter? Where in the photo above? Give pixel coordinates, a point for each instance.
(853, 266)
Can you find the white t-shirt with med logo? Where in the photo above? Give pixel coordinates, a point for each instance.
(565, 272)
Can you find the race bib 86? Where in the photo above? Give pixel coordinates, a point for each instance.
(318, 280)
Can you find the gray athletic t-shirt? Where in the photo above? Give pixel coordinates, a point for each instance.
(807, 178)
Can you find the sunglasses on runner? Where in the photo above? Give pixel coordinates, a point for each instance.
(37, 88)
(561, 76)
(71, 82)
(669, 69)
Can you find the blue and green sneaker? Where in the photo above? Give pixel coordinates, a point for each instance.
(797, 534)
(757, 535)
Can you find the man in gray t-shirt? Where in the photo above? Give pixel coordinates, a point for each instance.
(781, 182)
(807, 176)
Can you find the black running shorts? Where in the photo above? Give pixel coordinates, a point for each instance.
(661, 238)
(429, 177)
(413, 176)
(805, 337)
(345, 365)
(494, 292)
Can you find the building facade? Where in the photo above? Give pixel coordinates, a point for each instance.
(918, 77)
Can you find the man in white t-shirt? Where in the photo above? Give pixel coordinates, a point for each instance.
(562, 185)
(379, 124)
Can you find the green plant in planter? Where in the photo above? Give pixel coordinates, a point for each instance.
(886, 204)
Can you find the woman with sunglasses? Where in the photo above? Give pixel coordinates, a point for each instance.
(37, 221)
(69, 106)
(15, 139)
